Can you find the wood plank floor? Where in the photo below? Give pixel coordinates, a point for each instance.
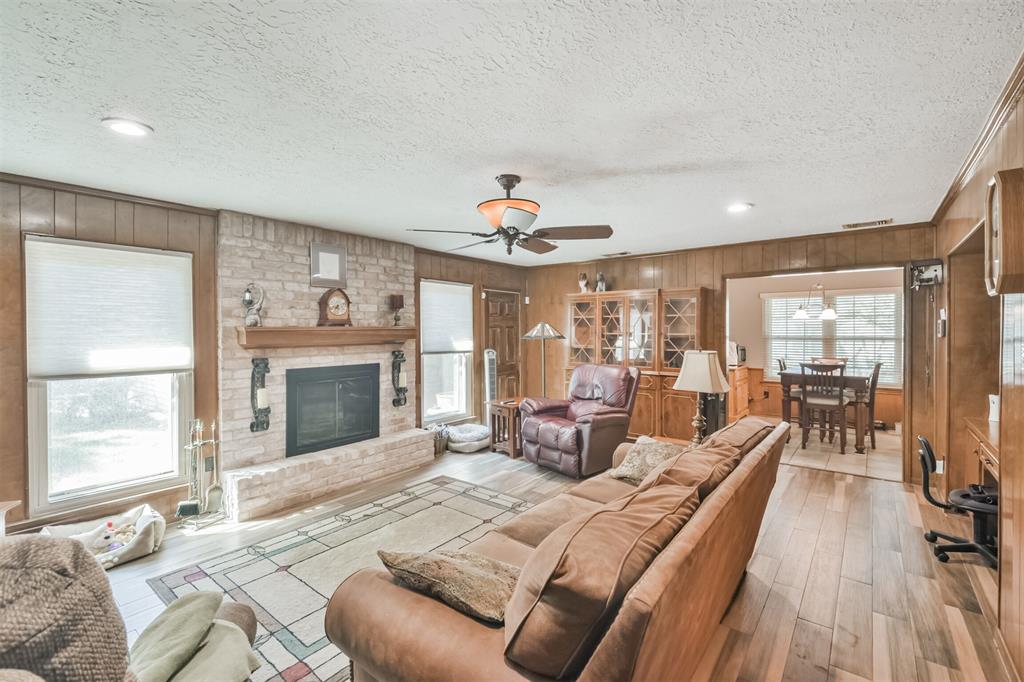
(842, 585)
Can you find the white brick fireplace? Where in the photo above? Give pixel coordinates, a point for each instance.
(257, 477)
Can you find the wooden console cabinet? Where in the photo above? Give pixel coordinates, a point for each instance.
(738, 400)
(649, 329)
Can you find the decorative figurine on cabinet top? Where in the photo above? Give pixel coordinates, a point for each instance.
(584, 283)
(602, 283)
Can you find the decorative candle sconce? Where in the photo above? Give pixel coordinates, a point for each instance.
(398, 378)
(396, 302)
(258, 395)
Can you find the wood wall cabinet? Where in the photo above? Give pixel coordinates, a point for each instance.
(649, 329)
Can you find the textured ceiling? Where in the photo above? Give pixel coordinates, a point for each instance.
(373, 117)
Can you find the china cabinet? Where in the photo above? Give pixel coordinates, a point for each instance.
(645, 328)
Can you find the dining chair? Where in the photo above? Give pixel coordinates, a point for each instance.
(830, 361)
(872, 391)
(823, 396)
(782, 364)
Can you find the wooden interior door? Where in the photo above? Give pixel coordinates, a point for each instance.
(502, 334)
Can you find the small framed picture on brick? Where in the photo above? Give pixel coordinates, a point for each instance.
(327, 266)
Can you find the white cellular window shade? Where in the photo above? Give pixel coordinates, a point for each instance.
(96, 309)
(869, 329)
(446, 317)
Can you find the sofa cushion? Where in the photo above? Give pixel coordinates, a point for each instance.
(704, 468)
(474, 584)
(645, 454)
(531, 527)
(743, 434)
(552, 432)
(501, 547)
(571, 587)
(602, 489)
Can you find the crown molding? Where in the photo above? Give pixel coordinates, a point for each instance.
(1004, 106)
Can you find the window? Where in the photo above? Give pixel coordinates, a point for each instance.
(869, 329)
(109, 340)
(446, 347)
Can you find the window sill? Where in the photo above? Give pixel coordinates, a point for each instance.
(89, 510)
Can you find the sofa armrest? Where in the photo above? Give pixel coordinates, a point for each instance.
(398, 634)
(538, 406)
(241, 615)
(620, 454)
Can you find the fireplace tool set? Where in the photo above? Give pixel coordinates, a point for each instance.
(203, 507)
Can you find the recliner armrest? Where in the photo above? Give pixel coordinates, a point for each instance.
(538, 406)
(604, 415)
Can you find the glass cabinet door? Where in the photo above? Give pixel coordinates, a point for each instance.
(582, 331)
(640, 340)
(613, 323)
(679, 327)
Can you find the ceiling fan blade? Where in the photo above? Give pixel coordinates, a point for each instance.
(486, 241)
(475, 234)
(574, 232)
(536, 245)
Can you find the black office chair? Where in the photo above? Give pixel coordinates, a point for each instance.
(982, 502)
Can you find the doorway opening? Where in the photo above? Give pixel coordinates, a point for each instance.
(777, 324)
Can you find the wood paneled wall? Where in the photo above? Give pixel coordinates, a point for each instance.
(482, 275)
(711, 267)
(32, 206)
(954, 223)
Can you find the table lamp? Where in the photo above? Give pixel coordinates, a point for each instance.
(700, 373)
(543, 331)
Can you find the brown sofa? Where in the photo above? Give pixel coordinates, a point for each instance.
(659, 631)
(578, 436)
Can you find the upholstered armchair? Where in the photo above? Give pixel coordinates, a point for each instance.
(578, 436)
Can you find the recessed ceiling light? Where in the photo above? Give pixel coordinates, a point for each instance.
(740, 207)
(126, 126)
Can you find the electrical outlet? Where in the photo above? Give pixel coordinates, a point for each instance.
(208, 464)
(940, 466)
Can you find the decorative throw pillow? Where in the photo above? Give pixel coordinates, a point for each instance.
(644, 456)
(471, 583)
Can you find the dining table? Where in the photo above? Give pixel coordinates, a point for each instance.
(858, 385)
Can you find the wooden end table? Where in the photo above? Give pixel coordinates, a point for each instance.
(505, 433)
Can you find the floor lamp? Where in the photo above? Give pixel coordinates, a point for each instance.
(543, 331)
(700, 373)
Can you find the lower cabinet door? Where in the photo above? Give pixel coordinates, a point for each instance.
(644, 421)
(677, 410)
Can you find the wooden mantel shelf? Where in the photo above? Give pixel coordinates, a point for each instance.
(310, 337)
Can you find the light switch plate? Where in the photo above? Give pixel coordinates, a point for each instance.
(940, 466)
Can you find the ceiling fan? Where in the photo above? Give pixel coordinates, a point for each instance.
(513, 218)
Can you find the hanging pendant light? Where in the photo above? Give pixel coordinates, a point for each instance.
(829, 313)
(801, 313)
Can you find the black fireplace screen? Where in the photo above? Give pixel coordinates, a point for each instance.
(331, 406)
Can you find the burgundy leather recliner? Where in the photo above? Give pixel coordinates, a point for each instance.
(578, 436)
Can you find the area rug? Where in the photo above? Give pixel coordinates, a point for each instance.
(288, 578)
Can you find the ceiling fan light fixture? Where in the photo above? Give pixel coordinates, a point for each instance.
(518, 218)
(494, 209)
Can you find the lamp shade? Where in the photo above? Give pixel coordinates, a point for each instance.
(543, 331)
(494, 209)
(701, 373)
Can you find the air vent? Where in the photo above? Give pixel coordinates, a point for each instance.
(617, 254)
(869, 223)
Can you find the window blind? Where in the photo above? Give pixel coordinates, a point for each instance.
(94, 309)
(792, 340)
(446, 317)
(869, 329)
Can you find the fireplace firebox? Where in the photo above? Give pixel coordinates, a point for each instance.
(331, 406)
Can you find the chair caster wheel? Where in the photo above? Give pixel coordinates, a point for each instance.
(931, 537)
(942, 556)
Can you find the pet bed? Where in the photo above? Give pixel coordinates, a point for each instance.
(117, 539)
(468, 437)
